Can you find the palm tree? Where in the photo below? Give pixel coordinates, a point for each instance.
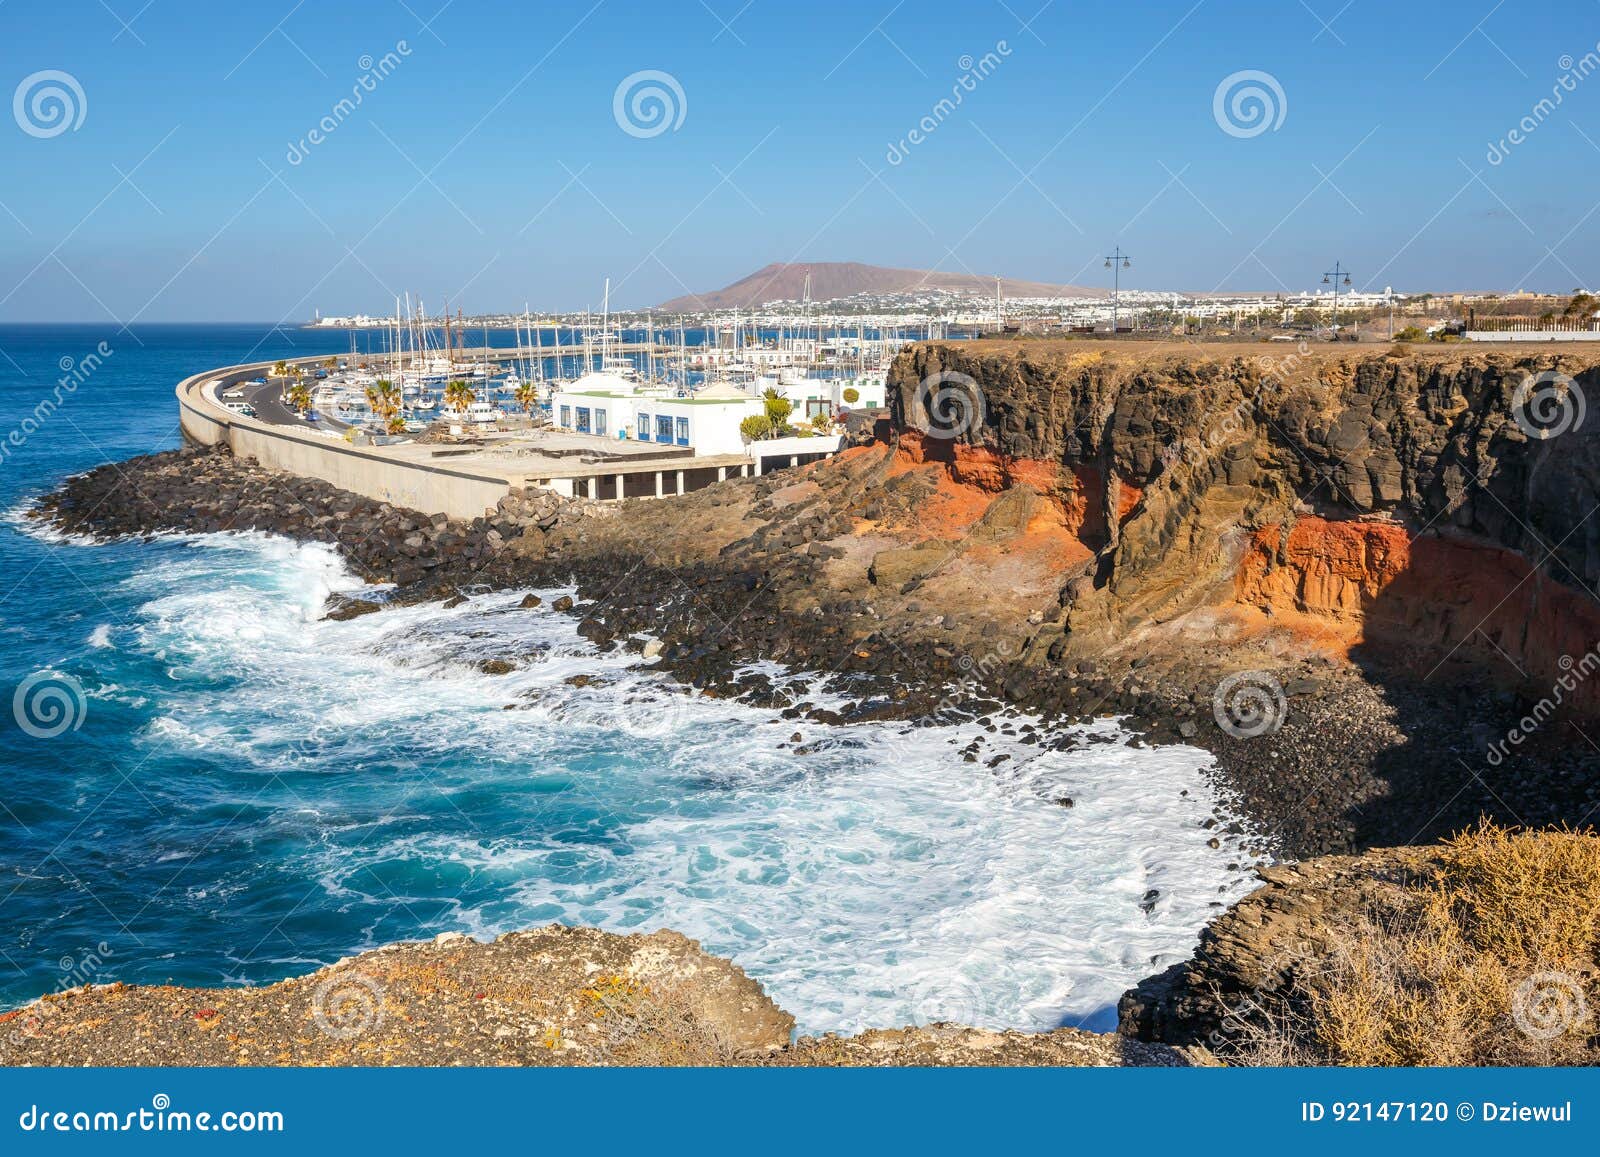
(458, 396)
(527, 396)
(298, 396)
(385, 400)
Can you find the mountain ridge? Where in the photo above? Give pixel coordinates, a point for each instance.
(831, 280)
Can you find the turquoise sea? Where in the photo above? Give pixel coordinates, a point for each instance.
(206, 783)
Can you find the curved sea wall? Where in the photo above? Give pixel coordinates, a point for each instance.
(369, 471)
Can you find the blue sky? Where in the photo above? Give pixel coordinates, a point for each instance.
(489, 165)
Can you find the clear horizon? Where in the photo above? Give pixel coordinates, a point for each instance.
(187, 164)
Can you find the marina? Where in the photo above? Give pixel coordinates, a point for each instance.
(599, 412)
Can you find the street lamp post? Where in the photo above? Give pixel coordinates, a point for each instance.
(1334, 278)
(1117, 262)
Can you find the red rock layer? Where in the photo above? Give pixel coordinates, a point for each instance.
(1430, 599)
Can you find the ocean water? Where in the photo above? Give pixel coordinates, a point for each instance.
(207, 783)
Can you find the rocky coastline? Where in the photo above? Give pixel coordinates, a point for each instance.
(1371, 545)
(551, 996)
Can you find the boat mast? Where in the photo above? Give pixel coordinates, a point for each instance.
(538, 336)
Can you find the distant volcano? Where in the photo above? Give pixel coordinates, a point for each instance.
(835, 279)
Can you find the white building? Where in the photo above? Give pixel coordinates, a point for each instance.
(813, 396)
(609, 406)
(708, 422)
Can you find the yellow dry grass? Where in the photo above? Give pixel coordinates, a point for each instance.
(1490, 960)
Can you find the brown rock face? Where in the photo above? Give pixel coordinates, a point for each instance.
(1394, 500)
(1420, 598)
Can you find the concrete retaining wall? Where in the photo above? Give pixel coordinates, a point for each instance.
(432, 489)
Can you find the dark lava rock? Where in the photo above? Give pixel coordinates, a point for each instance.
(341, 607)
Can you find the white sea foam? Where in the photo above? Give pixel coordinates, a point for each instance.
(876, 878)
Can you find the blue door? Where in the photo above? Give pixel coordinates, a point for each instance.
(683, 431)
(664, 429)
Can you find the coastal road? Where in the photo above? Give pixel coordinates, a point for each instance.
(264, 398)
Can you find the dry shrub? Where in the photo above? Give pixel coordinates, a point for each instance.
(1489, 960)
(653, 1026)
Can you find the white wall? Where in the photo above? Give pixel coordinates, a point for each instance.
(713, 426)
(619, 411)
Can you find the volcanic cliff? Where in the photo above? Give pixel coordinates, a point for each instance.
(1406, 503)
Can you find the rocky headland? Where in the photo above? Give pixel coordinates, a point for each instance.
(1353, 576)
